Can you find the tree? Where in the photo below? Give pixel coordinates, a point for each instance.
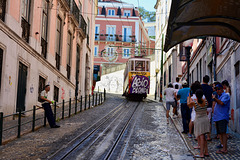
(147, 15)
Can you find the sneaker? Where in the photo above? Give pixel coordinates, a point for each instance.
(189, 135)
(56, 126)
(167, 120)
(220, 146)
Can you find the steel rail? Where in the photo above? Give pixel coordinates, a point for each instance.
(93, 128)
(120, 135)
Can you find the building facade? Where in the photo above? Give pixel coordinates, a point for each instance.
(119, 35)
(44, 42)
(168, 63)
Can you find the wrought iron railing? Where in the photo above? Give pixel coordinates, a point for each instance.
(118, 38)
(57, 58)
(69, 3)
(44, 48)
(68, 71)
(83, 24)
(75, 11)
(25, 30)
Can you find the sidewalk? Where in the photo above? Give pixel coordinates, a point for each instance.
(233, 142)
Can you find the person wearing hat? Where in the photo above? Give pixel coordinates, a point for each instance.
(221, 115)
(185, 110)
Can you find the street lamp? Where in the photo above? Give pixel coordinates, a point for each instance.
(188, 46)
(157, 70)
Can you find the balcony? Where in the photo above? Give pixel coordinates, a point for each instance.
(83, 25)
(25, 30)
(116, 38)
(44, 48)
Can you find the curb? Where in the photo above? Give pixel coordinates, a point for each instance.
(188, 145)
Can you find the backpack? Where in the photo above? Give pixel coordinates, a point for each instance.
(39, 98)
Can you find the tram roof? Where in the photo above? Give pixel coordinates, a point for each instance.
(190, 19)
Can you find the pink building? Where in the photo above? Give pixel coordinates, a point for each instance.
(119, 34)
(45, 42)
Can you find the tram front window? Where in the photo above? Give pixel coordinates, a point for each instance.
(140, 66)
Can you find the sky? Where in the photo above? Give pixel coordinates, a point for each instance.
(147, 4)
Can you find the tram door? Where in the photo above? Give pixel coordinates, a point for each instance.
(21, 91)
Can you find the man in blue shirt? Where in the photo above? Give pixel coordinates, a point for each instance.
(221, 115)
(185, 111)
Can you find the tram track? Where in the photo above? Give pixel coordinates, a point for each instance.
(106, 132)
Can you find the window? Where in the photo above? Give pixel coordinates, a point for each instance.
(25, 20)
(88, 28)
(26, 9)
(127, 32)
(126, 53)
(111, 12)
(2, 9)
(1, 64)
(44, 29)
(97, 27)
(127, 13)
(95, 51)
(41, 86)
(164, 78)
(69, 56)
(111, 31)
(56, 93)
(237, 69)
(58, 42)
(110, 51)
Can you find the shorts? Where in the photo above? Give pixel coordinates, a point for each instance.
(170, 103)
(221, 126)
(209, 113)
(193, 115)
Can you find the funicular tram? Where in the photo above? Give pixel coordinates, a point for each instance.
(137, 78)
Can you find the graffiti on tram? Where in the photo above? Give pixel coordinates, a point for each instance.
(139, 84)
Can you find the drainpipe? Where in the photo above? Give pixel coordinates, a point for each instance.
(214, 59)
(161, 77)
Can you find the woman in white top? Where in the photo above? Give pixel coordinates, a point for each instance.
(169, 92)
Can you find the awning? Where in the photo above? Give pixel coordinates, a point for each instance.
(195, 18)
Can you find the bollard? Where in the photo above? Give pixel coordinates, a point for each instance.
(93, 100)
(19, 123)
(89, 105)
(85, 102)
(99, 99)
(34, 117)
(55, 110)
(69, 115)
(76, 105)
(63, 110)
(104, 94)
(81, 105)
(96, 100)
(45, 119)
(1, 127)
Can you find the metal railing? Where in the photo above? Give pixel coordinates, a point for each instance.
(25, 30)
(83, 24)
(118, 38)
(60, 111)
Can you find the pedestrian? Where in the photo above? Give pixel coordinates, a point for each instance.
(194, 87)
(226, 87)
(47, 107)
(201, 123)
(185, 111)
(207, 92)
(221, 115)
(169, 92)
(177, 83)
(175, 114)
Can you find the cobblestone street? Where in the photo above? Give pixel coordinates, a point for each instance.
(151, 137)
